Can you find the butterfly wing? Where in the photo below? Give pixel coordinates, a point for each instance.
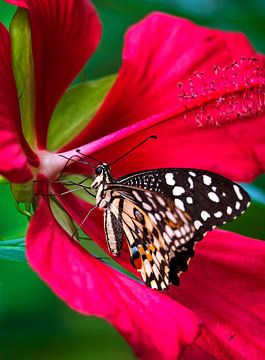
(210, 199)
(154, 230)
(113, 232)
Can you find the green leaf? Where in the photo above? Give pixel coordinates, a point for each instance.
(64, 219)
(6, 13)
(78, 190)
(3, 180)
(13, 249)
(23, 193)
(13, 242)
(76, 108)
(23, 68)
(12, 253)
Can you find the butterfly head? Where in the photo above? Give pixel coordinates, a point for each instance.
(103, 176)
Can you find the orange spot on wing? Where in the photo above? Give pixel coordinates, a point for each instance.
(141, 250)
(151, 248)
(148, 256)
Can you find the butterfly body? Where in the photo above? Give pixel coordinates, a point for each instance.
(163, 213)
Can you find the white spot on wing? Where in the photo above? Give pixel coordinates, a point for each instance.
(178, 190)
(229, 210)
(238, 192)
(148, 268)
(171, 216)
(137, 196)
(190, 182)
(207, 180)
(212, 196)
(237, 205)
(192, 173)
(197, 224)
(169, 231)
(187, 228)
(170, 179)
(183, 232)
(189, 200)
(157, 216)
(218, 214)
(156, 271)
(205, 215)
(151, 201)
(159, 256)
(147, 206)
(179, 204)
(167, 238)
(152, 218)
(178, 233)
(161, 201)
(153, 284)
(163, 285)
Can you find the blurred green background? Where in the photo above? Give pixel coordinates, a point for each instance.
(34, 323)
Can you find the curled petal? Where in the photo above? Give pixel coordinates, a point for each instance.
(194, 88)
(64, 35)
(13, 161)
(152, 323)
(225, 288)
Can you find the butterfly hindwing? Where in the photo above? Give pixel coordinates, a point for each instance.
(210, 199)
(154, 230)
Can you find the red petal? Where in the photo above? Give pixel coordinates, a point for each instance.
(13, 161)
(225, 288)
(65, 33)
(22, 3)
(93, 288)
(159, 52)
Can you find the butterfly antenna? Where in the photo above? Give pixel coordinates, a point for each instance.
(135, 147)
(71, 159)
(88, 156)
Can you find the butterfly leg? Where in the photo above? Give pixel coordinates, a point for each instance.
(82, 222)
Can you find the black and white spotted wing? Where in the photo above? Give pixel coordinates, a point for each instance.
(210, 199)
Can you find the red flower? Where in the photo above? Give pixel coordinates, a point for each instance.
(224, 286)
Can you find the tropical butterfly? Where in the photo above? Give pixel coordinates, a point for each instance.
(163, 213)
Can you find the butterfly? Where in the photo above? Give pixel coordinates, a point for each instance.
(163, 213)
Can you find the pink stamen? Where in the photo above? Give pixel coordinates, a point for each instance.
(224, 94)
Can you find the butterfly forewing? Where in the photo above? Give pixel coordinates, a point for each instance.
(113, 231)
(154, 230)
(210, 199)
